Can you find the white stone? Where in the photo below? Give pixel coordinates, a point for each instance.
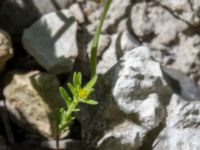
(77, 12)
(52, 41)
(178, 139)
(183, 114)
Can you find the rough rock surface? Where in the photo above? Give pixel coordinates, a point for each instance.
(113, 18)
(134, 93)
(161, 26)
(187, 10)
(119, 45)
(6, 50)
(149, 21)
(182, 126)
(109, 57)
(185, 139)
(77, 12)
(32, 99)
(52, 41)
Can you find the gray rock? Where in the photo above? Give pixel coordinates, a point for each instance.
(131, 99)
(182, 126)
(6, 50)
(183, 114)
(32, 98)
(23, 13)
(75, 9)
(109, 57)
(178, 139)
(186, 10)
(128, 42)
(52, 41)
(156, 25)
(125, 136)
(188, 48)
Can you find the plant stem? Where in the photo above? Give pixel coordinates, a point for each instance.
(57, 143)
(95, 41)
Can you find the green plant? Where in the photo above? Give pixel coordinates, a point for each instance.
(79, 95)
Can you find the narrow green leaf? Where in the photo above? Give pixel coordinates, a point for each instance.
(90, 84)
(79, 78)
(75, 79)
(72, 89)
(65, 96)
(76, 110)
(95, 41)
(90, 102)
(57, 116)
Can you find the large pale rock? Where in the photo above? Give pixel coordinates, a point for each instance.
(127, 42)
(77, 12)
(156, 25)
(171, 37)
(131, 99)
(186, 10)
(177, 139)
(181, 51)
(32, 99)
(52, 41)
(183, 114)
(6, 50)
(182, 126)
(22, 13)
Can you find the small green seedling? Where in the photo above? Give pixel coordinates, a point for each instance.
(79, 95)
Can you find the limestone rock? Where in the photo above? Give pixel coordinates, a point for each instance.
(77, 13)
(139, 85)
(181, 51)
(131, 99)
(186, 10)
(6, 50)
(155, 24)
(124, 136)
(52, 41)
(183, 114)
(113, 16)
(127, 42)
(32, 99)
(182, 126)
(109, 57)
(104, 42)
(179, 139)
(22, 13)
